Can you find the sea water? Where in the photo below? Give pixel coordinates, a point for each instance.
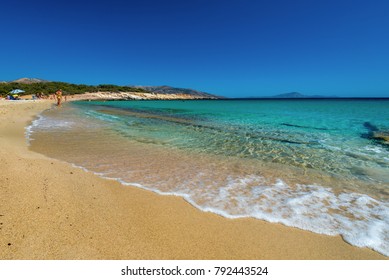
(310, 164)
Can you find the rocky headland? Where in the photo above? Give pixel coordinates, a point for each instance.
(137, 96)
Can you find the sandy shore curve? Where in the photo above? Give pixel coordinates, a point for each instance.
(52, 210)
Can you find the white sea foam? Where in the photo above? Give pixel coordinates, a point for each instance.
(374, 149)
(50, 123)
(101, 116)
(30, 129)
(361, 220)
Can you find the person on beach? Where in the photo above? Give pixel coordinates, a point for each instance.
(58, 95)
(40, 95)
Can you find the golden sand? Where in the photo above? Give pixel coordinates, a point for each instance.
(51, 210)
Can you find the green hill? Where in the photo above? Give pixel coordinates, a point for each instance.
(33, 86)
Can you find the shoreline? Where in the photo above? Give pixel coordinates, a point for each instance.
(52, 210)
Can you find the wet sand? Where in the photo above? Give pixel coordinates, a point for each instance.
(51, 210)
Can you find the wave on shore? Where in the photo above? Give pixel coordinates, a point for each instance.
(233, 187)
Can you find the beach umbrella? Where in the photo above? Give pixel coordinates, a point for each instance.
(16, 91)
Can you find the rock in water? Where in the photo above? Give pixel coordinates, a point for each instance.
(382, 136)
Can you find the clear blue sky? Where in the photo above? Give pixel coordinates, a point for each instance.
(231, 48)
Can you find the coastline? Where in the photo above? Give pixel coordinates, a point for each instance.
(51, 210)
(136, 96)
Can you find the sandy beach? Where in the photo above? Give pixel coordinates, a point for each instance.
(51, 210)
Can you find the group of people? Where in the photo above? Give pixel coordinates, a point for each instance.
(57, 96)
(40, 95)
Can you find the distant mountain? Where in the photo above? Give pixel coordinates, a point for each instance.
(174, 90)
(299, 95)
(29, 81)
(290, 95)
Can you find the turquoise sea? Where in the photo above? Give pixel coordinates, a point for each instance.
(309, 163)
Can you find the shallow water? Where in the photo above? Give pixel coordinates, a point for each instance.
(310, 164)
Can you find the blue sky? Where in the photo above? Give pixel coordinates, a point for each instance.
(232, 48)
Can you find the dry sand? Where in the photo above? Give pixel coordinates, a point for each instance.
(51, 210)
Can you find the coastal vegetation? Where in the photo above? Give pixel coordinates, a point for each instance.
(39, 87)
(67, 88)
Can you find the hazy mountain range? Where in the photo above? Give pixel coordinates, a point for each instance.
(299, 95)
(291, 95)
